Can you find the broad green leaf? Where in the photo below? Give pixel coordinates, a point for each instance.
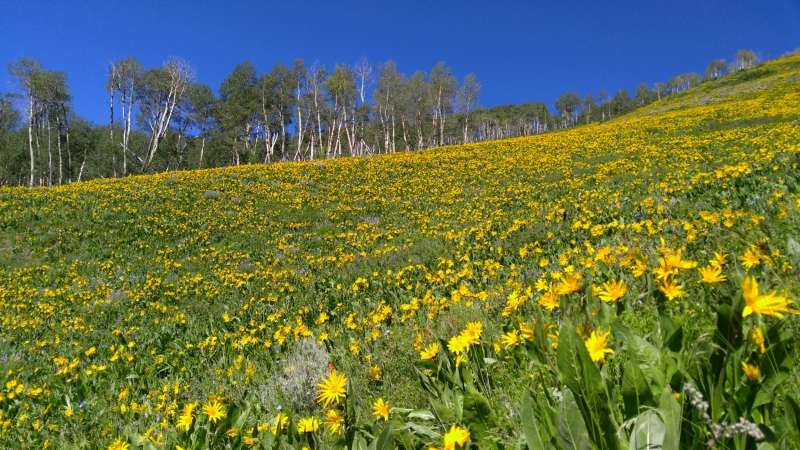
(648, 432)
(635, 389)
(402, 435)
(531, 427)
(572, 433)
(423, 430)
(477, 413)
(458, 403)
(666, 327)
(423, 414)
(385, 440)
(670, 411)
(350, 401)
(792, 411)
(581, 375)
(793, 248)
(243, 415)
(361, 442)
(443, 412)
(675, 340)
(648, 357)
(763, 397)
(266, 439)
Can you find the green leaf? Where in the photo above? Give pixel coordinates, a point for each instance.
(360, 442)
(147, 445)
(266, 439)
(675, 340)
(444, 413)
(572, 432)
(242, 417)
(424, 431)
(581, 375)
(648, 432)
(349, 439)
(793, 248)
(762, 397)
(423, 414)
(666, 327)
(670, 411)
(477, 413)
(635, 389)
(402, 435)
(648, 357)
(467, 376)
(458, 403)
(792, 412)
(385, 440)
(531, 427)
(350, 403)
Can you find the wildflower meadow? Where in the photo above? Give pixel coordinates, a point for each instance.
(630, 284)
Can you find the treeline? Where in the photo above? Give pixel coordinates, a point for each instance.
(161, 119)
(571, 110)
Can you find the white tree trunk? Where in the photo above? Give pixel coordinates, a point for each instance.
(30, 137)
(299, 130)
(202, 147)
(49, 156)
(60, 164)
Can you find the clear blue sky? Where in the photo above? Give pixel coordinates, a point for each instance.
(519, 50)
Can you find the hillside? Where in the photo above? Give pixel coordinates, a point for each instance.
(123, 301)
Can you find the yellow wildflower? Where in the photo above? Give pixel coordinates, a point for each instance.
(750, 258)
(333, 421)
(456, 435)
(671, 288)
(612, 291)
(308, 425)
(769, 303)
(429, 352)
(381, 409)
(711, 274)
(549, 299)
(474, 331)
(281, 420)
(750, 371)
(213, 409)
(332, 389)
(118, 444)
(375, 372)
(511, 339)
(185, 419)
(569, 285)
(458, 344)
(718, 260)
(597, 346)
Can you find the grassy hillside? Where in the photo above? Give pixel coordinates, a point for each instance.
(124, 302)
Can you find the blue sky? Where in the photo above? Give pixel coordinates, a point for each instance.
(519, 50)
